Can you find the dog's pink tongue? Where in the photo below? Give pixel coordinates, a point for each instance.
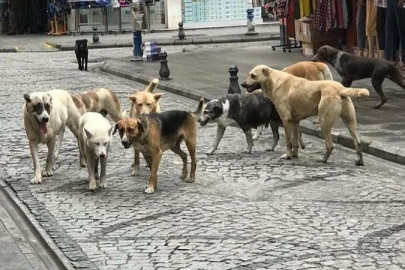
(43, 128)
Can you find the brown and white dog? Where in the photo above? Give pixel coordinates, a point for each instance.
(297, 98)
(99, 100)
(46, 114)
(313, 71)
(155, 133)
(144, 102)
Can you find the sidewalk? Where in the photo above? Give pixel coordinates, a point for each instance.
(38, 43)
(204, 73)
(15, 251)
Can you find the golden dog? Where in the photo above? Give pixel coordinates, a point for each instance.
(144, 102)
(297, 98)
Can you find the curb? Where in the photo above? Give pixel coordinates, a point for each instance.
(58, 258)
(171, 42)
(374, 148)
(8, 50)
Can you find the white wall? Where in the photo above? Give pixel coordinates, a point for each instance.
(173, 13)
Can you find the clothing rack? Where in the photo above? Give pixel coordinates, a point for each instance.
(283, 44)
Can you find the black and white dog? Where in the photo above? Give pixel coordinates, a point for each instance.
(244, 111)
(82, 53)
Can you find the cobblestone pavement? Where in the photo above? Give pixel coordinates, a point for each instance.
(243, 212)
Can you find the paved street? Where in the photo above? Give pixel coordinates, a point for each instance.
(243, 211)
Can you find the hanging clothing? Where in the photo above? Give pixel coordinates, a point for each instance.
(361, 25)
(320, 15)
(345, 10)
(305, 8)
(371, 19)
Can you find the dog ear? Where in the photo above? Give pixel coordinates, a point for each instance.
(27, 98)
(132, 98)
(115, 129)
(265, 71)
(157, 96)
(85, 41)
(88, 133)
(50, 98)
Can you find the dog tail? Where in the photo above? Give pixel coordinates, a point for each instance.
(152, 85)
(197, 113)
(327, 75)
(354, 92)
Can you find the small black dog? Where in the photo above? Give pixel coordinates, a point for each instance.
(82, 53)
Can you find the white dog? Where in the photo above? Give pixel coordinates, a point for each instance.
(45, 116)
(94, 141)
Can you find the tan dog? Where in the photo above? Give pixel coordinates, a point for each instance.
(297, 98)
(144, 102)
(99, 100)
(157, 132)
(313, 71)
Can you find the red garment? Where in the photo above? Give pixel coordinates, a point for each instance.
(321, 12)
(339, 9)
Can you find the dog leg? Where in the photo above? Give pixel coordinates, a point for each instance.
(153, 172)
(191, 146)
(59, 143)
(302, 144)
(35, 160)
(91, 163)
(78, 58)
(295, 138)
(50, 158)
(348, 116)
(86, 58)
(288, 127)
(377, 83)
(248, 134)
(220, 134)
(136, 169)
(276, 136)
(148, 160)
(346, 82)
(326, 128)
(96, 174)
(259, 131)
(82, 152)
(103, 178)
(176, 149)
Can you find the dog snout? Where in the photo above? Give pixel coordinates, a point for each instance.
(125, 143)
(45, 119)
(244, 84)
(102, 155)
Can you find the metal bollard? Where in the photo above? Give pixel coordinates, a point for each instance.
(164, 71)
(233, 81)
(96, 38)
(250, 25)
(181, 35)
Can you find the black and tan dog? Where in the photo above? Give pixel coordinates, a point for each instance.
(351, 68)
(155, 133)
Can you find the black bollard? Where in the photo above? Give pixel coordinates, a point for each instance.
(96, 38)
(233, 81)
(164, 71)
(181, 35)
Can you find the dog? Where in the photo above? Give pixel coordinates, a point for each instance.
(82, 53)
(99, 100)
(45, 116)
(298, 98)
(144, 102)
(94, 142)
(352, 68)
(243, 111)
(313, 71)
(154, 133)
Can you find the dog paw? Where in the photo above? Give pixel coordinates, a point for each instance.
(183, 177)
(285, 156)
(47, 173)
(97, 176)
(271, 149)
(93, 186)
(149, 190)
(135, 173)
(103, 184)
(359, 163)
(36, 180)
(315, 122)
(189, 180)
(210, 152)
(255, 138)
(247, 151)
